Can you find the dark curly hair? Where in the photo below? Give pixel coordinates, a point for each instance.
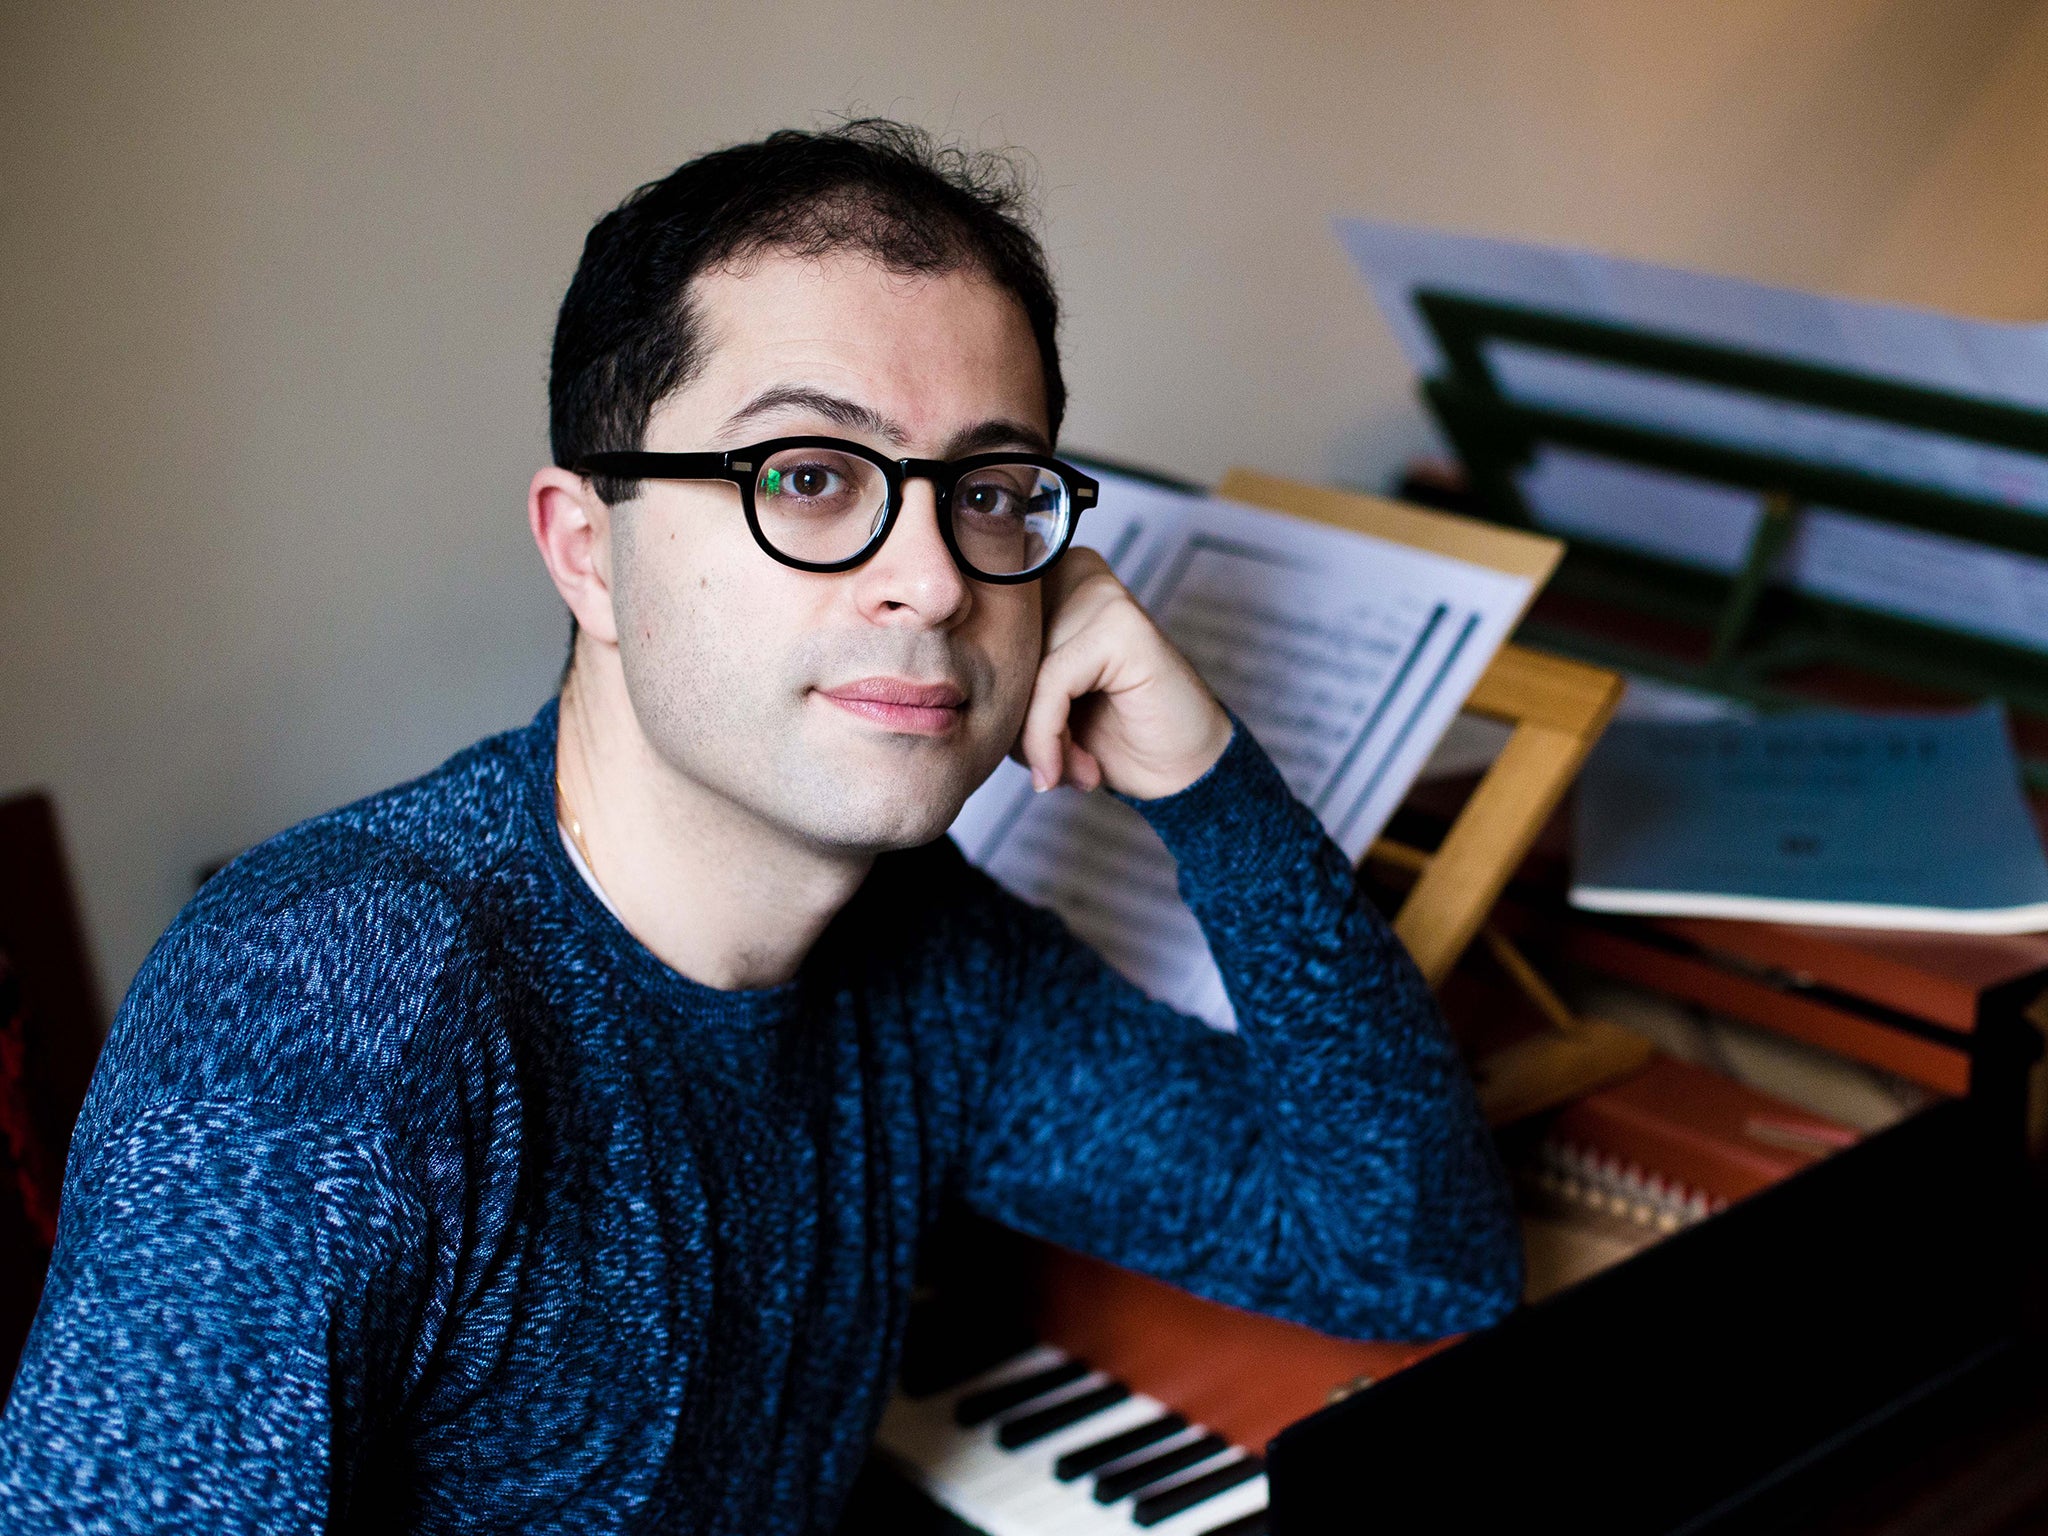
(626, 337)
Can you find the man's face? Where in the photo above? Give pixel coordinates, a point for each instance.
(773, 687)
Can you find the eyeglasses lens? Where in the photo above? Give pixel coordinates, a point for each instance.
(1010, 519)
(820, 505)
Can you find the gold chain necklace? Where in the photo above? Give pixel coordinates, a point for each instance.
(565, 815)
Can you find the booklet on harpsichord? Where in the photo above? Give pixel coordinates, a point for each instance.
(1829, 817)
(1345, 653)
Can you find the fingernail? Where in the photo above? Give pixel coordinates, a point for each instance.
(1038, 784)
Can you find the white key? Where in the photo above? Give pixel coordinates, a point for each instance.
(1028, 1508)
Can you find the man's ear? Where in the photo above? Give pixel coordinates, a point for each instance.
(573, 528)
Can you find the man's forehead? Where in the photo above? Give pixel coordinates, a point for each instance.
(844, 274)
(964, 434)
(843, 338)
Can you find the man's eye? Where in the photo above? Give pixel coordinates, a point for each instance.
(990, 501)
(808, 482)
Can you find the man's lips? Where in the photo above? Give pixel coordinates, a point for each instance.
(923, 709)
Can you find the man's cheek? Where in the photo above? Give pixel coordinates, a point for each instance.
(1018, 674)
(1026, 630)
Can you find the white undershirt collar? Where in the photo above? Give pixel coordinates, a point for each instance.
(589, 876)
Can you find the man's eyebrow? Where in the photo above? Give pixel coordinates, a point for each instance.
(991, 435)
(818, 402)
(851, 414)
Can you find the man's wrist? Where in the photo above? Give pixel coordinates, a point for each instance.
(1233, 826)
(1240, 761)
(1191, 768)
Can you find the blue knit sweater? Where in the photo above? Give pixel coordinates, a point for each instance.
(413, 1193)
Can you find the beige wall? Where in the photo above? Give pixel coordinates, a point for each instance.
(278, 282)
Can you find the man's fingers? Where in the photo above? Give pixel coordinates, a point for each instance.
(1109, 679)
(1040, 743)
(1083, 771)
(1048, 748)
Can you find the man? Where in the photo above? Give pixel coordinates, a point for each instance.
(544, 1145)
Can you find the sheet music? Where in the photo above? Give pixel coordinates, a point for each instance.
(1988, 359)
(1836, 553)
(1346, 656)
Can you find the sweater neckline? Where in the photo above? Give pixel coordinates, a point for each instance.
(541, 832)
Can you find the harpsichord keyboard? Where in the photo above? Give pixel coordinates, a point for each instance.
(1045, 1443)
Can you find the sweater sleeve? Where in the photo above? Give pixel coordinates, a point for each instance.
(254, 1247)
(1326, 1164)
(208, 1336)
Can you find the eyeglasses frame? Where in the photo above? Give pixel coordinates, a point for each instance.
(740, 467)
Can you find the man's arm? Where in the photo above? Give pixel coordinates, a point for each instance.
(1328, 1163)
(244, 1266)
(198, 1358)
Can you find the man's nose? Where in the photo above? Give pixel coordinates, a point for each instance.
(912, 579)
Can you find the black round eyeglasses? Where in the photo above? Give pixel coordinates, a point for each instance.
(826, 504)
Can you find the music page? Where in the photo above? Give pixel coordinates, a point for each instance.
(1347, 656)
(2000, 594)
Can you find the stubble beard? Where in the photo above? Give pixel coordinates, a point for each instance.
(737, 718)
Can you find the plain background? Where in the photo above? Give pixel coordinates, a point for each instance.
(278, 282)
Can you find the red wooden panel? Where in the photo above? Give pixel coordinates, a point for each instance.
(1245, 1376)
(1932, 976)
(1941, 1067)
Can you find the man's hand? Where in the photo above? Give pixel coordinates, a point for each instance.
(1114, 703)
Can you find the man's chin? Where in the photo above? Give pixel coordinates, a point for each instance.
(872, 791)
(898, 809)
(874, 826)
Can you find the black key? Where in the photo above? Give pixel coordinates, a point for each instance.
(979, 1407)
(1253, 1524)
(1083, 1459)
(1155, 1507)
(1126, 1481)
(1029, 1427)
